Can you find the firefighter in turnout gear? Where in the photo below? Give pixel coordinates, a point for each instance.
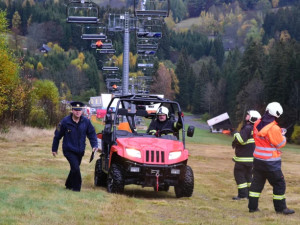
(269, 138)
(243, 143)
(163, 122)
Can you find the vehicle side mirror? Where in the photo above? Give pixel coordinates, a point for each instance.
(190, 131)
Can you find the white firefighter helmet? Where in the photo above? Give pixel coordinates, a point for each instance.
(162, 111)
(254, 115)
(274, 109)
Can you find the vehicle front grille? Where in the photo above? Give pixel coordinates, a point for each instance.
(153, 156)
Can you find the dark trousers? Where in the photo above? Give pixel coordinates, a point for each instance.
(243, 177)
(74, 181)
(276, 180)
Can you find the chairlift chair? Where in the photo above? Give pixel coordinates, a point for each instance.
(147, 45)
(106, 51)
(82, 12)
(151, 8)
(145, 65)
(145, 52)
(93, 32)
(148, 35)
(110, 68)
(104, 46)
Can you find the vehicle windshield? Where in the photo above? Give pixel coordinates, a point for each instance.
(132, 116)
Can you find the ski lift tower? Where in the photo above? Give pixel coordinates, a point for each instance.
(123, 23)
(144, 11)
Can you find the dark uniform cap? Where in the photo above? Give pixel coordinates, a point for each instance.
(78, 106)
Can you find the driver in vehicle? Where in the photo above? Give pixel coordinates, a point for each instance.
(163, 122)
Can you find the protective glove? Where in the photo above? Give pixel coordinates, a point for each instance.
(234, 144)
(152, 132)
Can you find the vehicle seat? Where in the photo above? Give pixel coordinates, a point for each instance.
(124, 126)
(142, 113)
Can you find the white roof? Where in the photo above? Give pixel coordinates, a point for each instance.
(218, 119)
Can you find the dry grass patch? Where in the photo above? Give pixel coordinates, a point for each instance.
(32, 189)
(18, 134)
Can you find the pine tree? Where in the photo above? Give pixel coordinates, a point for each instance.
(182, 70)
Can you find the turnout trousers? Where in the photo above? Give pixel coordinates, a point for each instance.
(276, 180)
(243, 177)
(74, 180)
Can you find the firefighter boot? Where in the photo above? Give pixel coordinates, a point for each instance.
(254, 210)
(286, 211)
(238, 198)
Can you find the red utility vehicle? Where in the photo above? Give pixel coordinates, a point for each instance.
(132, 156)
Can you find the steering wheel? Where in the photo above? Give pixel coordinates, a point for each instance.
(165, 132)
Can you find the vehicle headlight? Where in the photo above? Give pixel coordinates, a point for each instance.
(174, 155)
(133, 152)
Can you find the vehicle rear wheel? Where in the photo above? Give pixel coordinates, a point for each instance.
(115, 179)
(100, 178)
(185, 186)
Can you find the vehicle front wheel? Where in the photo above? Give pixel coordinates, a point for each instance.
(100, 178)
(115, 179)
(185, 186)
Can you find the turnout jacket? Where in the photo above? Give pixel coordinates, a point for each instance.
(157, 125)
(268, 141)
(74, 135)
(243, 143)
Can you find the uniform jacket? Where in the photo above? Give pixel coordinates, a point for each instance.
(167, 124)
(268, 141)
(244, 144)
(74, 135)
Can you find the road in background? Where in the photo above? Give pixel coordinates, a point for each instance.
(193, 120)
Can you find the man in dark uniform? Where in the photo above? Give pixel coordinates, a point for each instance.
(163, 122)
(74, 128)
(243, 143)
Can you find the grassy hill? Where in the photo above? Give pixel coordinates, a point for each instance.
(32, 189)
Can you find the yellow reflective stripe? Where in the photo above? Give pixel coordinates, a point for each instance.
(278, 197)
(152, 131)
(249, 184)
(243, 159)
(250, 140)
(254, 194)
(241, 141)
(239, 138)
(240, 186)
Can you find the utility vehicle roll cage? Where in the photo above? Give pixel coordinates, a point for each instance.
(130, 106)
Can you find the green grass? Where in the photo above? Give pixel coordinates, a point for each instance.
(206, 137)
(32, 189)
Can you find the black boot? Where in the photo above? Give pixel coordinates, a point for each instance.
(254, 210)
(286, 211)
(238, 198)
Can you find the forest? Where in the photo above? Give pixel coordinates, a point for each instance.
(214, 57)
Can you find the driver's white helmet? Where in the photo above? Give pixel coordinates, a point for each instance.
(274, 109)
(254, 115)
(162, 111)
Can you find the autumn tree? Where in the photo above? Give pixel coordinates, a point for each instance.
(163, 81)
(45, 104)
(16, 23)
(11, 92)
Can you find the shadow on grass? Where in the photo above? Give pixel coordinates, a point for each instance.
(149, 193)
(145, 193)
